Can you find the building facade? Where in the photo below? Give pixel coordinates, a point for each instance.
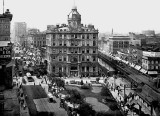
(19, 32)
(37, 39)
(150, 62)
(6, 65)
(117, 42)
(72, 49)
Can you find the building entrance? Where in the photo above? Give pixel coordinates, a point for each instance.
(73, 73)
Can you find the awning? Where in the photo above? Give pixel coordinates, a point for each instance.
(143, 71)
(137, 67)
(152, 72)
(132, 65)
(117, 58)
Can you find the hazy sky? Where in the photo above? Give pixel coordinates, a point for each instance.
(121, 15)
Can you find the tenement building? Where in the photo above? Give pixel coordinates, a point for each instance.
(72, 49)
(6, 64)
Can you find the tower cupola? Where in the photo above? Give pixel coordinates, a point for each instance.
(74, 18)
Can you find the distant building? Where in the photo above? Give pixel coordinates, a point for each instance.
(37, 39)
(20, 32)
(148, 32)
(117, 42)
(72, 49)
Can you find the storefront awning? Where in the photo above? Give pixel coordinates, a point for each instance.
(132, 65)
(143, 71)
(117, 58)
(137, 67)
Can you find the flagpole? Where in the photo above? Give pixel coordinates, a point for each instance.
(3, 6)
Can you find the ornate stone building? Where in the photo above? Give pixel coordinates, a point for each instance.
(72, 49)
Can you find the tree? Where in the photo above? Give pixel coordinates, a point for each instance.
(105, 91)
(75, 97)
(85, 109)
(60, 82)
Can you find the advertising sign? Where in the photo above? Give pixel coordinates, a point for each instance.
(5, 52)
(151, 54)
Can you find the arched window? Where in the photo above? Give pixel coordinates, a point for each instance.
(83, 58)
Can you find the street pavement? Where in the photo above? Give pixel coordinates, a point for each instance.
(44, 83)
(112, 83)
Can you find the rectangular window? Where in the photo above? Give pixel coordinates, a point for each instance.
(94, 51)
(87, 36)
(87, 58)
(83, 69)
(75, 50)
(87, 69)
(60, 43)
(60, 58)
(54, 43)
(94, 36)
(94, 58)
(54, 50)
(54, 57)
(75, 35)
(64, 43)
(83, 36)
(60, 69)
(60, 36)
(83, 50)
(64, 59)
(64, 50)
(87, 50)
(156, 67)
(72, 36)
(94, 43)
(53, 68)
(65, 36)
(94, 69)
(83, 43)
(60, 50)
(87, 43)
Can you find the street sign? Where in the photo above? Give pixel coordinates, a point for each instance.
(5, 52)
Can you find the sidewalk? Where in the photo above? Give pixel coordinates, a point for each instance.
(24, 111)
(22, 103)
